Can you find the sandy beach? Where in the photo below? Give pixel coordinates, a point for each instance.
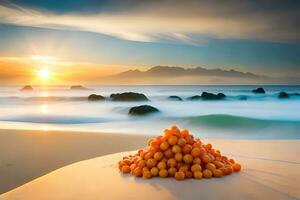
(270, 170)
(26, 155)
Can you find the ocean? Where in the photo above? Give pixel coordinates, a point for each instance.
(260, 116)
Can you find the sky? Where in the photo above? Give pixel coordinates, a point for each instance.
(83, 39)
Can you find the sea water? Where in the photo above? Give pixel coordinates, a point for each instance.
(59, 108)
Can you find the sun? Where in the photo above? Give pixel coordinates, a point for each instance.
(44, 74)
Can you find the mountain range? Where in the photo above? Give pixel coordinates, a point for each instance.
(180, 75)
(165, 71)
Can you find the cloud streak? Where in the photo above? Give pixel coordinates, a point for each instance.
(187, 21)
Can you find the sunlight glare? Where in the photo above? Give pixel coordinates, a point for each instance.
(44, 74)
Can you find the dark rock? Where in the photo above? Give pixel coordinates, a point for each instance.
(194, 98)
(128, 96)
(26, 88)
(211, 96)
(177, 98)
(221, 95)
(95, 97)
(142, 110)
(295, 94)
(259, 91)
(283, 95)
(78, 87)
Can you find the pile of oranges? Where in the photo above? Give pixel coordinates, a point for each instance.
(178, 154)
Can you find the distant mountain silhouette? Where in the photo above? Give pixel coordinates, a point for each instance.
(161, 71)
(180, 75)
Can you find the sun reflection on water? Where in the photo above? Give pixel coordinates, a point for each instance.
(44, 109)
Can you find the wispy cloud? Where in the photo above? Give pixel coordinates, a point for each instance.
(186, 21)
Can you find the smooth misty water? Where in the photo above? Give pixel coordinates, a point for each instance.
(59, 108)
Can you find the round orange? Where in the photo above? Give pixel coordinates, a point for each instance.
(179, 176)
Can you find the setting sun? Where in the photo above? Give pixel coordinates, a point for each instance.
(43, 74)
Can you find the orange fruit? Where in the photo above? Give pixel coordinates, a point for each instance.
(176, 132)
(197, 160)
(158, 156)
(224, 171)
(218, 164)
(197, 145)
(151, 163)
(183, 168)
(188, 158)
(187, 148)
(167, 133)
(205, 159)
(154, 171)
(197, 174)
(174, 128)
(148, 155)
(171, 162)
(164, 159)
(161, 165)
(179, 176)
(155, 144)
(141, 163)
(189, 139)
(172, 171)
(236, 167)
(196, 152)
(178, 157)
(217, 173)
(163, 173)
(176, 149)
(147, 174)
(212, 158)
(210, 166)
(172, 140)
(149, 141)
(164, 146)
(207, 173)
(138, 172)
(196, 167)
(181, 142)
(208, 146)
(126, 169)
(145, 169)
(132, 167)
(184, 133)
(169, 153)
(188, 174)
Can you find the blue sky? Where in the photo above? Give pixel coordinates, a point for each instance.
(259, 37)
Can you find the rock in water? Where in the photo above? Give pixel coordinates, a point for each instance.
(194, 98)
(295, 94)
(128, 96)
(259, 91)
(283, 95)
(95, 97)
(177, 98)
(78, 87)
(211, 96)
(26, 88)
(142, 110)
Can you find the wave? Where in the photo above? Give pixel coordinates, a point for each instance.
(220, 125)
(223, 120)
